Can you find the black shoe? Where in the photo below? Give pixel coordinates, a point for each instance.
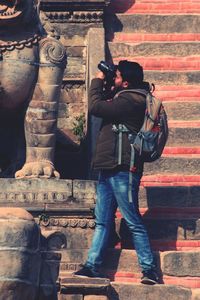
(88, 272)
(149, 277)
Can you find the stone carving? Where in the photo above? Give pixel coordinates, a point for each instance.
(75, 17)
(20, 255)
(65, 222)
(31, 71)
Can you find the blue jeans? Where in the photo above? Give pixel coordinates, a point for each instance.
(112, 192)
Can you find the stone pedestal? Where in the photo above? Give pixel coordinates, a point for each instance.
(20, 256)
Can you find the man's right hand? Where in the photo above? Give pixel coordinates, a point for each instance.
(100, 75)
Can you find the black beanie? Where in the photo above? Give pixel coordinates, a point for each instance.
(131, 71)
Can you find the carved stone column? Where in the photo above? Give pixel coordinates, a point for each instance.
(72, 21)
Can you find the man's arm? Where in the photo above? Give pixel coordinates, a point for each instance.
(100, 107)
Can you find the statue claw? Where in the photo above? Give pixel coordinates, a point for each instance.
(38, 169)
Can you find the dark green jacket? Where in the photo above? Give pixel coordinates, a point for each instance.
(128, 109)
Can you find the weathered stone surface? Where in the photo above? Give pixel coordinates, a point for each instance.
(153, 49)
(138, 292)
(84, 190)
(15, 291)
(76, 68)
(154, 23)
(95, 297)
(163, 229)
(178, 165)
(91, 286)
(163, 78)
(169, 196)
(36, 192)
(70, 297)
(72, 93)
(183, 111)
(195, 294)
(122, 261)
(72, 29)
(181, 264)
(19, 254)
(76, 237)
(177, 136)
(35, 71)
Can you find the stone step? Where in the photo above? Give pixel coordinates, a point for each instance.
(163, 63)
(170, 192)
(170, 77)
(158, 49)
(84, 288)
(176, 267)
(183, 136)
(98, 289)
(147, 23)
(170, 7)
(178, 92)
(165, 227)
(180, 164)
(162, 229)
(181, 150)
(125, 291)
(177, 110)
(143, 37)
(166, 213)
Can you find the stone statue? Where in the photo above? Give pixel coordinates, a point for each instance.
(31, 71)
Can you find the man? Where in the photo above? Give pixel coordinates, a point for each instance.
(127, 108)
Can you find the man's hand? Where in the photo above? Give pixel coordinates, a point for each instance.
(100, 75)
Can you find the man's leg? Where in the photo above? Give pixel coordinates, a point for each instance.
(105, 213)
(130, 212)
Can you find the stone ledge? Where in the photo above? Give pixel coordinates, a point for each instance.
(89, 286)
(158, 292)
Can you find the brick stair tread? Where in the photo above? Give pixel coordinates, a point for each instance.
(181, 164)
(155, 37)
(74, 285)
(162, 229)
(181, 150)
(172, 7)
(183, 78)
(124, 263)
(155, 8)
(136, 291)
(154, 23)
(162, 63)
(179, 111)
(180, 49)
(186, 283)
(170, 178)
(183, 123)
(173, 213)
(127, 286)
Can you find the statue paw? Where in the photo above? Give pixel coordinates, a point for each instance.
(38, 169)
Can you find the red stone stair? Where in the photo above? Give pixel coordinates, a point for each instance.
(156, 6)
(164, 36)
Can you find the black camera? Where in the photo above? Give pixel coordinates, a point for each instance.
(109, 71)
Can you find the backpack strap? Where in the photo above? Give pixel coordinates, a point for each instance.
(132, 162)
(120, 129)
(137, 91)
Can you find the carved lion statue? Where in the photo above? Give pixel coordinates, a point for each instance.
(31, 71)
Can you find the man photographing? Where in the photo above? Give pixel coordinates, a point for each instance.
(114, 186)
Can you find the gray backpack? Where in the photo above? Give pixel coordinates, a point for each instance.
(152, 137)
(150, 141)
